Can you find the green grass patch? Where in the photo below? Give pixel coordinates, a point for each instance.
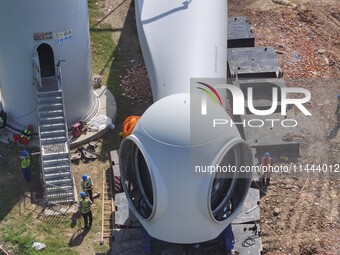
(102, 45)
(22, 232)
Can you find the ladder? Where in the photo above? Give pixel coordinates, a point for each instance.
(54, 143)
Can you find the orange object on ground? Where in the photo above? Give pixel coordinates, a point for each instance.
(24, 137)
(128, 125)
(21, 139)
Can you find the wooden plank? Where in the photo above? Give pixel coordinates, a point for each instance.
(101, 241)
(114, 158)
(2, 250)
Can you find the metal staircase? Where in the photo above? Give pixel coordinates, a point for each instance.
(54, 143)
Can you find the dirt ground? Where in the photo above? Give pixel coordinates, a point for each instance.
(306, 37)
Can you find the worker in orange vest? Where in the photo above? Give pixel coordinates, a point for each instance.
(266, 163)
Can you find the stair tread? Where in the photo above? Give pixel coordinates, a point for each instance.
(53, 165)
(60, 192)
(53, 138)
(57, 167)
(63, 188)
(53, 125)
(53, 131)
(58, 180)
(49, 169)
(56, 159)
(55, 141)
(49, 101)
(51, 110)
(51, 117)
(53, 197)
(61, 201)
(54, 104)
(51, 176)
(52, 193)
(49, 95)
(56, 154)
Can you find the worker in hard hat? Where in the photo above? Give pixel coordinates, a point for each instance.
(26, 166)
(337, 112)
(24, 137)
(266, 164)
(87, 185)
(3, 120)
(85, 209)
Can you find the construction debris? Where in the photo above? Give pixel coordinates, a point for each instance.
(135, 84)
(38, 246)
(84, 154)
(276, 211)
(97, 81)
(321, 51)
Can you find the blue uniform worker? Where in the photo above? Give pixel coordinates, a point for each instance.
(26, 166)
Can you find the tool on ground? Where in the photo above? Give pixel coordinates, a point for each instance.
(252, 209)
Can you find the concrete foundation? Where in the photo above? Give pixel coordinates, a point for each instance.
(107, 106)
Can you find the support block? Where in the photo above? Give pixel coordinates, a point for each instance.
(124, 218)
(274, 138)
(252, 200)
(114, 158)
(239, 33)
(253, 63)
(262, 92)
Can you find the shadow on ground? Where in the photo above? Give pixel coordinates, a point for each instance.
(126, 50)
(78, 237)
(333, 133)
(12, 184)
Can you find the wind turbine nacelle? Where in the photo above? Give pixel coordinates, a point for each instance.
(165, 172)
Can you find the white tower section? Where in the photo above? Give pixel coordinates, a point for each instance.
(47, 31)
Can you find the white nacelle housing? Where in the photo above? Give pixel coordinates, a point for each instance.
(173, 201)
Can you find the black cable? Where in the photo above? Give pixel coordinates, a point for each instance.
(250, 241)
